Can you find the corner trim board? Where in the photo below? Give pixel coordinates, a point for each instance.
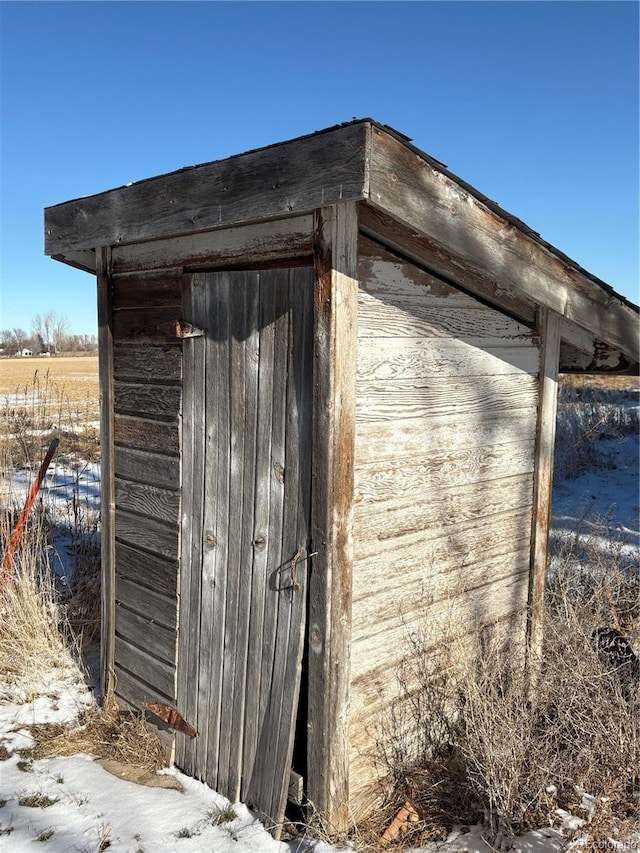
(107, 491)
(549, 328)
(335, 306)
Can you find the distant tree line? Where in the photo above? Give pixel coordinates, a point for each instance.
(49, 334)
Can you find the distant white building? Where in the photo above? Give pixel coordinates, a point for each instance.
(24, 353)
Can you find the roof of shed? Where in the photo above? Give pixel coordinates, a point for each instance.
(361, 160)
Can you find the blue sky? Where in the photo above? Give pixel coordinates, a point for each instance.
(535, 104)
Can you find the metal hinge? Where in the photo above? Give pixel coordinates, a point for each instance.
(181, 329)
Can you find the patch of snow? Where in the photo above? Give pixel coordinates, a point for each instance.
(569, 822)
(90, 806)
(610, 492)
(600, 509)
(59, 696)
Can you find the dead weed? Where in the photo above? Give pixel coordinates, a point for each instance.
(105, 733)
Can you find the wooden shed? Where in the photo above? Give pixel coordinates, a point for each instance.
(328, 377)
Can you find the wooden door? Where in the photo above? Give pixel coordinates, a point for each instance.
(247, 421)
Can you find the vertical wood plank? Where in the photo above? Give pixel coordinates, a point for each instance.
(277, 311)
(335, 308)
(241, 523)
(549, 328)
(216, 525)
(285, 605)
(233, 657)
(107, 490)
(192, 524)
(296, 532)
(275, 314)
(251, 417)
(260, 562)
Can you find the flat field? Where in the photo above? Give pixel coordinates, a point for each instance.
(76, 377)
(43, 397)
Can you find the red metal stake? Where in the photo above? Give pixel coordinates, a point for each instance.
(7, 562)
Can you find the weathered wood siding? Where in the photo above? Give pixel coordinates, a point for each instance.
(147, 374)
(248, 394)
(446, 400)
(141, 298)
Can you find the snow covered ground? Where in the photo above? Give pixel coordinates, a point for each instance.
(73, 805)
(603, 501)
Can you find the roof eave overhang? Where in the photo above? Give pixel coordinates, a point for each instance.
(359, 161)
(419, 192)
(282, 180)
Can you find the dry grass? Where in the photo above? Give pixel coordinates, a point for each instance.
(44, 620)
(29, 418)
(31, 632)
(468, 742)
(33, 413)
(79, 375)
(80, 595)
(105, 733)
(37, 638)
